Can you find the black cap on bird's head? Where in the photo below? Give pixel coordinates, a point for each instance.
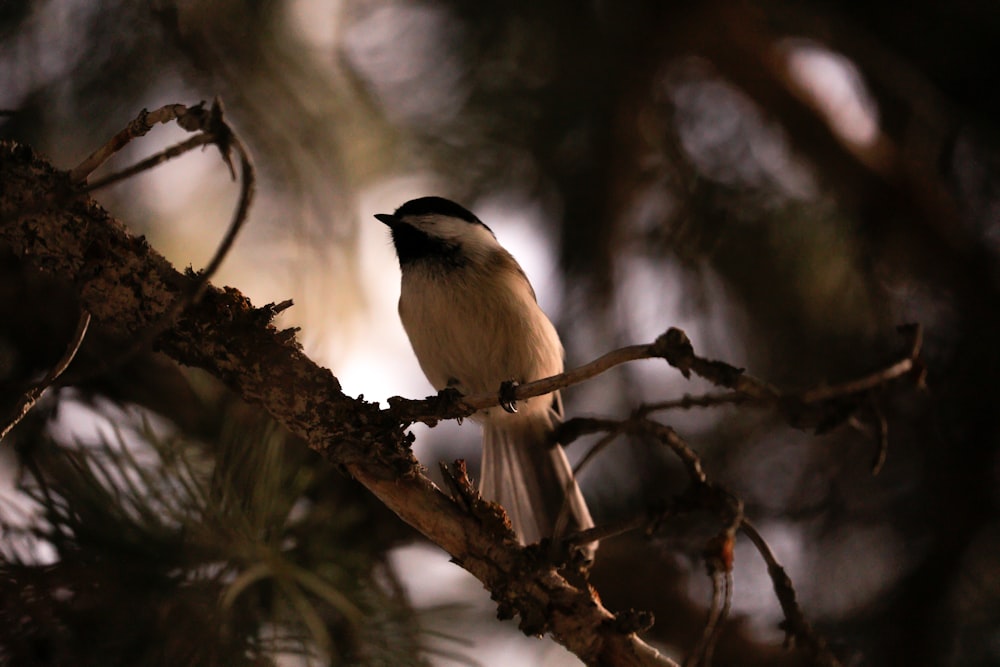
(431, 228)
(428, 206)
(432, 206)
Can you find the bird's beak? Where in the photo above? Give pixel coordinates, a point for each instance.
(386, 218)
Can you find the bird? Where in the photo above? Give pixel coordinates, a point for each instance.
(475, 326)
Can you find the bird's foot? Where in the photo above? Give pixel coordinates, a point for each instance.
(507, 399)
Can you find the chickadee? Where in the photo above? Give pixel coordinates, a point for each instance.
(474, 324)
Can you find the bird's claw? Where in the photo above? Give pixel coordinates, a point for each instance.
(507, 400)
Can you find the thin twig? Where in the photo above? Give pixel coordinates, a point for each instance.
(883, 443)
(669, 437)
(595, 450)
(35, 392)
(142, 124)
(727, 604)
(247, 187)
(689, 401)
(572, 429)
(858, 385)
(719, 559)
(795, 624)
(566, 379)
(722, 595)
(159, 158)
(604, 531)
(901, 368)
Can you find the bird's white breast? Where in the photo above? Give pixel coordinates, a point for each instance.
(478, 327)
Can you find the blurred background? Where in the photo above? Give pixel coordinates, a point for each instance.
(785, 181)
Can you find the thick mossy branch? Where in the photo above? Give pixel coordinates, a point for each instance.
(127, 287)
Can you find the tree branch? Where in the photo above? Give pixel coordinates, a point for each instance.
(128, 287)
(672, 346)
(819, 405)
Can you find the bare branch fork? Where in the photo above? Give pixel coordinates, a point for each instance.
(210, 127)
(719, 551)
(821, 405)
(130, 290)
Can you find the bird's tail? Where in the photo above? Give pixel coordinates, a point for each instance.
(529, 475)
